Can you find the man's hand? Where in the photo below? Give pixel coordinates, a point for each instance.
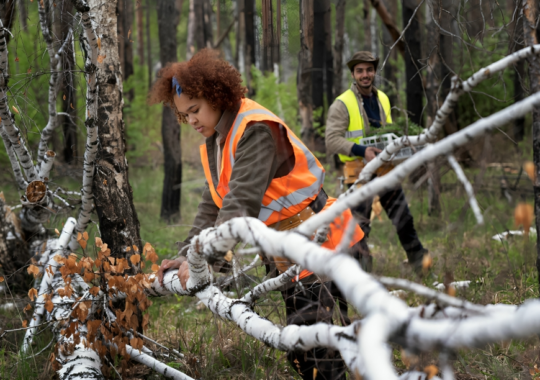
(371, 153)
(183, 270)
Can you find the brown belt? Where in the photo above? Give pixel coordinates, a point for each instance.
(281, 263)
(294, 221)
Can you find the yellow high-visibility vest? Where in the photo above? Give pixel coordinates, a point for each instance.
(356, 128)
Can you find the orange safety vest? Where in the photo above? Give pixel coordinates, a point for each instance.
(287, 195)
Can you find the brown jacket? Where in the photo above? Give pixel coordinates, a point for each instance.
(337, 124)
(263, 153)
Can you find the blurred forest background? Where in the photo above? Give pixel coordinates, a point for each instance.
(292, 54)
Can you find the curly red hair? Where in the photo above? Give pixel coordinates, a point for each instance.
(205, 75)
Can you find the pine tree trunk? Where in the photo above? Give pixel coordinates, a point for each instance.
(113, 196)
(268, 37)
(390, 85)
(366, 22)
(338, 46)
(125, 47)
(445, 19)
(67, 82)
(249, 24)
(304, 85)
(170, 128)
(432, 87)
(148, 45)
(23, 14)
(412, 54)
(140, 32)
(192, 29)
(7, 13)
(530, 13)
(516, 43)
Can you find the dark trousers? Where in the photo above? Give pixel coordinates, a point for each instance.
(395, 206)
(316, 305)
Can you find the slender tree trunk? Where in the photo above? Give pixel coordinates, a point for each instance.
(530, 13)
(67, 91)
(148, 45)
(318, 53)
(118, 221)
(412, 54)
(285, 56)
(239, 52)
(192, 30)
(170, 128)
(390, 85)
(207, 25)
(516, 43)
(304, 80)
(268, 37)
(7, 13)
(125, 22)
(338, 46)
(447, 58)
(366, 21)
(328, 56)
(432, 87)
(140, 32)
(277, 35)
(249, 41)
(23, 14)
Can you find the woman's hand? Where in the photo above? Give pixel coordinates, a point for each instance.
(183, 270)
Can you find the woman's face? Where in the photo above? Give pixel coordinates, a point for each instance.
(199, 114)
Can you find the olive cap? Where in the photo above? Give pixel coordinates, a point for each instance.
(361, 57)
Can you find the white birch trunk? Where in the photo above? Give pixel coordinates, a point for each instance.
(90, 41)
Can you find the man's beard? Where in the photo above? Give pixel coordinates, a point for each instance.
(358, 83)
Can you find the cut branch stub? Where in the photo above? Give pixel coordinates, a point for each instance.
(35, 191)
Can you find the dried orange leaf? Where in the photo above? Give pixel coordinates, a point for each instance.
(524, 216)
(49, 306)
(15, 110)
(94, 290)
(155, 267)
(530, 170)
(85, 235)
(32, 293)
(431, 371)
(99, 43)
(99, 242)
(56, 231)
(33, 270)
(2, 279)
(228, 256)
(24, 323)
(451, 291)
(28, 307)
(135, 259)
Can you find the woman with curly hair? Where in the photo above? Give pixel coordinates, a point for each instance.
(254, 166)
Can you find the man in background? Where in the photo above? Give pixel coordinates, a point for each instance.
(350, 118)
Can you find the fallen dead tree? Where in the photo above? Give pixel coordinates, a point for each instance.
(75, 294)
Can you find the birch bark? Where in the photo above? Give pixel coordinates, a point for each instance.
(113, 196)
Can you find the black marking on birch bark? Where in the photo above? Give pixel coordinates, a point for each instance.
(345, 336)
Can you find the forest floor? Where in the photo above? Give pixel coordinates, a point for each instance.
(215, 349)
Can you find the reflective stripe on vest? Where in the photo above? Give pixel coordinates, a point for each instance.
(285, 196)
(355, 130)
